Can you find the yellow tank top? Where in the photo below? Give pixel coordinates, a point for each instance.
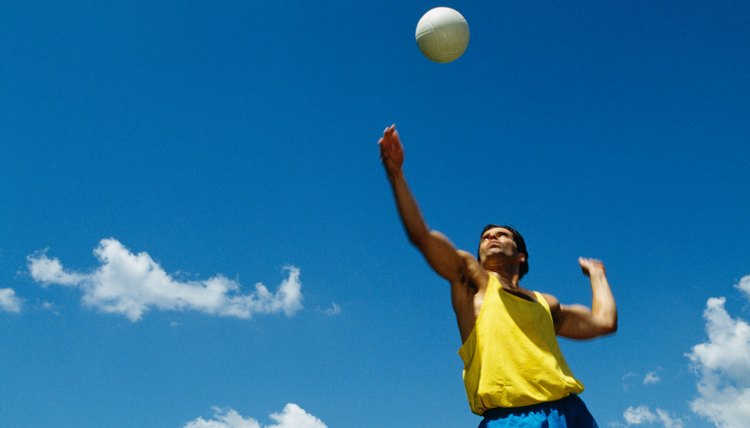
(512, 357)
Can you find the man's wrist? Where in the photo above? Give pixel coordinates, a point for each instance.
(396, 175)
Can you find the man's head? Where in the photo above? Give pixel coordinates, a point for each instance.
(491, 240)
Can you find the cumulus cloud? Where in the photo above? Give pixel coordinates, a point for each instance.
(132, 284)
(50, 271)
(292, 416)
(642, 415)
(227, 418)
(8, 301)
(723, 366)
(723, 369)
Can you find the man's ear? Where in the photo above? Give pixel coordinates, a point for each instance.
(521, 257)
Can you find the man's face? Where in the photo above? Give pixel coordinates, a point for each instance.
(497, 241)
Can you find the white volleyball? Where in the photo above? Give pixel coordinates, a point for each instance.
(442, 34)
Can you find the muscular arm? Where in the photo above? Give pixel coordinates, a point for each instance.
(437, 249)
(580, 322)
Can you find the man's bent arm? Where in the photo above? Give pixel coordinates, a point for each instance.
(580, 322)
(437, 249)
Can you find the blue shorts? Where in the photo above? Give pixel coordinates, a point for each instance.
(569, 412)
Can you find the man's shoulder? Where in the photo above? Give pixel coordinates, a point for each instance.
(473, 274)
(552, 301)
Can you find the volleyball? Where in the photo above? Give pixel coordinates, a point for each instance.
(442, 34)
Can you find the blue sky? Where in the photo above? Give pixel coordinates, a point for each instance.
(161, 159)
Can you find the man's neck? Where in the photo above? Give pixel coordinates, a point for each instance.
(508, 275)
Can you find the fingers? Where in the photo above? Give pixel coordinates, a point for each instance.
(588, 264)
(388, 133)
(589, 260)
(391, 152)
(389, 139)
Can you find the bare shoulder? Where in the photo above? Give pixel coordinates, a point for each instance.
(470, 263)
(555, 310)
(468, 258)
(554, 304)
(474, 274)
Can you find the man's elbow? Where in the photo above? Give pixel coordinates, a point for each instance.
(609, 326)
(610, 329)
(603, 324)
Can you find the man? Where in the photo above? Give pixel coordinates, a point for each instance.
(514, 372)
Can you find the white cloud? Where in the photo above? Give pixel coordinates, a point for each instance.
(669, 421)
(638, 415)
(292, 416)
(642, 415)
(651, 378)
(132, 284)
(723, 370)
(50, 271)
(224, 419)
(629, 379)
(723, 366)
(8, 301)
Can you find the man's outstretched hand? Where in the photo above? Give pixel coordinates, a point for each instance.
(391, 151)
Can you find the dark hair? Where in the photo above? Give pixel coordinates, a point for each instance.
(523, 269)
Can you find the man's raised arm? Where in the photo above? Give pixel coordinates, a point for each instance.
(437, 249)
(580, 322)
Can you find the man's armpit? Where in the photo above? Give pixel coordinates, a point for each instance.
(558, 317)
